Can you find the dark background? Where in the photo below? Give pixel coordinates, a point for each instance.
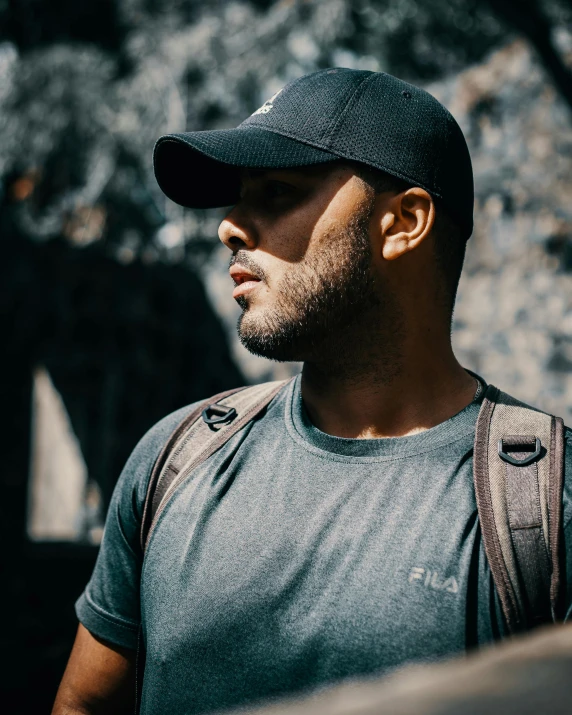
(109, 287)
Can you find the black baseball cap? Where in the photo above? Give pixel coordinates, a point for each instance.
(369, 117)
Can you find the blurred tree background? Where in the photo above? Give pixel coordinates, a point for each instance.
(122, 296)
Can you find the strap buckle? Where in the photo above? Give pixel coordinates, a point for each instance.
(218, 414)
(519, 448)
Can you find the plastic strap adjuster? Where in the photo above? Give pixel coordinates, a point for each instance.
(519, 448)
(218, 414)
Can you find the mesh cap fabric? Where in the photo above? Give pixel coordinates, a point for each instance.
(369, 117)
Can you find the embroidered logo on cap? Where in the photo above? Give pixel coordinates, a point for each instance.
(268, 105)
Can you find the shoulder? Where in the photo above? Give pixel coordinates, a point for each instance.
(152, 442)
(149, 446)
(132, 484)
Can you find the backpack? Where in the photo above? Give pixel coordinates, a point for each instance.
(518, 463)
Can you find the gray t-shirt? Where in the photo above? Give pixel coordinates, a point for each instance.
(293, 558)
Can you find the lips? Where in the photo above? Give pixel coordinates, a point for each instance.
(244, 280)
(241, 275)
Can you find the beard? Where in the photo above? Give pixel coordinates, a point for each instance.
(322, 303)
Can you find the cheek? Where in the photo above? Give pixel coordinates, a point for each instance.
(331, 232)
(287, 241)
(295, 255)
(304, 235)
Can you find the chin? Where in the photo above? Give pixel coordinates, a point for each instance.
(267, 343)
(269, 351)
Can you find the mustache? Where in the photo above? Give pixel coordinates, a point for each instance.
(243, 258)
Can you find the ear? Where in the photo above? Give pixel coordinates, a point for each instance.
(408, 221)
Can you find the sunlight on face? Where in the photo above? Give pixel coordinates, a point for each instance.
(306, 236)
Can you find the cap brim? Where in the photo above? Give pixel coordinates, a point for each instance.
(202, 169)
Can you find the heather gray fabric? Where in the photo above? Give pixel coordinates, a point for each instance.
(293, 559)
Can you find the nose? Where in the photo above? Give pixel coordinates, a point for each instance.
(236, 232)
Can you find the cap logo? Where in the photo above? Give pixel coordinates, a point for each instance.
(267, 106)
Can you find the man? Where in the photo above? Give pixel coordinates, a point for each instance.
(337, 535)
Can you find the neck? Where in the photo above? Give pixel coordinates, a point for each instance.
(413, 386)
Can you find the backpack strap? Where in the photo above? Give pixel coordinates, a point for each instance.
(201, 433)
(518, 473)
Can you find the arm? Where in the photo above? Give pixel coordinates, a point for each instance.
(99, 678)
(100, 675)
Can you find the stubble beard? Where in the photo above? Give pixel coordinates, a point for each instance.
(323, 304)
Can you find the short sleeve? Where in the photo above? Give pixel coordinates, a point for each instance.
(109, 607)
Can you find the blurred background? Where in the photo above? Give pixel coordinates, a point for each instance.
(116, 305)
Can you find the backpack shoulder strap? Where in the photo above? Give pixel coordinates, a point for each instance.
(518, 473)
(200, 434)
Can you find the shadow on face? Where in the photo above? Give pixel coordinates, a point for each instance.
(286, 213)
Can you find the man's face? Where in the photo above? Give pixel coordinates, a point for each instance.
(303, 235)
